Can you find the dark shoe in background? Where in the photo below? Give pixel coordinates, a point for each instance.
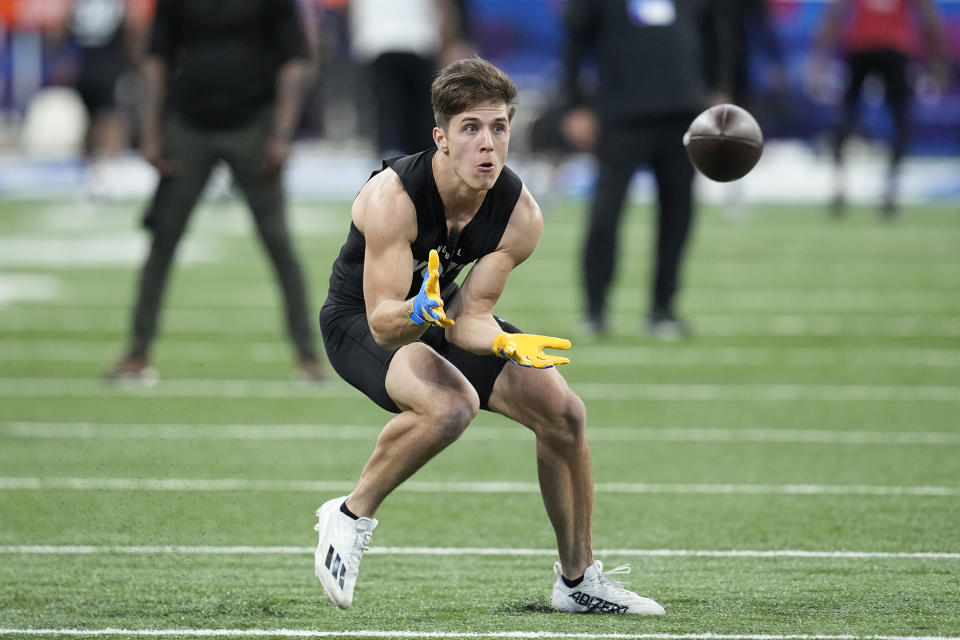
(133, 370)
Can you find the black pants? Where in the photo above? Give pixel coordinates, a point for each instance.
(891, 66)
(623, 147)
(197, 151)
(401, 89)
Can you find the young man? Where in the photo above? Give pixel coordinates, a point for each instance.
(398, 327)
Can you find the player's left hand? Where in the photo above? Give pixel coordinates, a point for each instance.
(428, 305)
(526, 349)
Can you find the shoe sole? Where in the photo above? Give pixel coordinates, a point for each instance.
(646, 611)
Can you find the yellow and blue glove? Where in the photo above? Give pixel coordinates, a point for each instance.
(526, 349)
(427, 305)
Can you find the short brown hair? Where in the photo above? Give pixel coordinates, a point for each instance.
(466, 83)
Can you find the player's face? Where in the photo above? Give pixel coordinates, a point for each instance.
(476, 142)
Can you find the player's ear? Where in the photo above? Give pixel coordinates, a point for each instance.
(440, 139)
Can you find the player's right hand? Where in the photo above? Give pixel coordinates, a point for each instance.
(526, 349)
(427, 305)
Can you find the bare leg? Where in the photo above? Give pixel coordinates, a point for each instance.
(437, 404)
(542, 401)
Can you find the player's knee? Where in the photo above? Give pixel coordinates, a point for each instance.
(566, 420)
(450, 417)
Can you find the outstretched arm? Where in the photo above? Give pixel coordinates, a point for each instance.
(476, 329)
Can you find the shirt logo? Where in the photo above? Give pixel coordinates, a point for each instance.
(447, 265)
(652, 13)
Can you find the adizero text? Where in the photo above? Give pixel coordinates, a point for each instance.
(596, 604)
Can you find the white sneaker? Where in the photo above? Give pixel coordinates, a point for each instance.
(599, 593)
(342, 541)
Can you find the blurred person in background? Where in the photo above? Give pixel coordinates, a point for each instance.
(106, 39)
(652, 58)
(402, 45)
(759, 81)
(755, 37)
(224, 81)
(879, 37)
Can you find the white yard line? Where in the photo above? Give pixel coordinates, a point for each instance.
(245, 321)
(208, 388)
(98, 352)
(475, 551)
(375, 633)
(893, 300)
(369, 432)
(421, 486)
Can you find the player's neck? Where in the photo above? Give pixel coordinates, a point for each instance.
(459, 199)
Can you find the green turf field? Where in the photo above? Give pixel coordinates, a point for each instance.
(793, 470)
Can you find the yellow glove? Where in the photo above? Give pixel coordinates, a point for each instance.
(526, 349)
(427, 305)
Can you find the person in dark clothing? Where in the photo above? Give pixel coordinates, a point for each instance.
(398, 327)
(755, 42)
(99, 31)
(97, 45)
(401, 45)
(224, 82)
(651, 83)
(754, 36)
(879, 38)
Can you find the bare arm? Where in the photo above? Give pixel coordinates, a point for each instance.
(829, 32)
(475, 326)
(385, 215)
(824, 42)
(156, 73)
(291, 87)
(579, 123)
(936, 42)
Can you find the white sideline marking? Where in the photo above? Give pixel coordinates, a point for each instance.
(601, 355)
(586, 356)
(714, 324)
(368, 432)
(420, 486)
(208, 388)
(27, 286)
(476, 551)
(309, 633)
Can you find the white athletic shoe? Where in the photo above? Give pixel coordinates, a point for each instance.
(599, 593)
(342, 541)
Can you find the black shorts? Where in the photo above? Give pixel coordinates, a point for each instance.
(358, 359)
(889, 64)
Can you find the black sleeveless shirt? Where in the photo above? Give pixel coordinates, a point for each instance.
(478, 238)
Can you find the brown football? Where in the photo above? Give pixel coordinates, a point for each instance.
(724, 142)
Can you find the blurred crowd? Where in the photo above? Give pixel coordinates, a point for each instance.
(371, 65)
(372, 59)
